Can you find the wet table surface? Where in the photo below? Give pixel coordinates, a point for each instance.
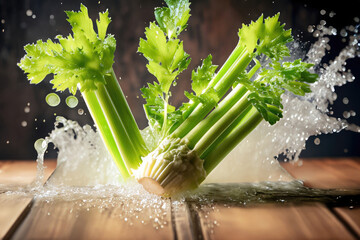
(25, 217)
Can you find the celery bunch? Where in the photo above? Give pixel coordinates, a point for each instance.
(223, 107)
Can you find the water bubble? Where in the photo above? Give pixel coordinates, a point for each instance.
(51, 16)
(345, 100)
(3, 21)
(317, 141)
(27, 109)
(322, 12)
(71, 101)
(7, 142)
(52, 99)
(352, 113)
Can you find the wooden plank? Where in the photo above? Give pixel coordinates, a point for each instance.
(22, 172)
(327, 173)
(12, 210)
(271, 222)
(182, 221)
(14, 175)
(67, 219)
(351, 216)
(74, 219)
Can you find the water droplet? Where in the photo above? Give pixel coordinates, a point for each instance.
(345, 100)
(81, 111)
(334, 96)
(52, 99)
(310, 28)
(29, 12)
(27, 109)
(343, 33)
(40, 145)
(317, 141)
(71, 101)
(7, 142)
(23, 123)
(346, 114)
(322, 12)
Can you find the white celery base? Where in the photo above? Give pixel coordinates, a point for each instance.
(171, 168)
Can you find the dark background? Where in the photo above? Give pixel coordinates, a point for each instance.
(212, 29)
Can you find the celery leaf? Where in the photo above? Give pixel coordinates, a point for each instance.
(203, 75)
(83, 58)
(266, 37)
(267, 89)
(173, 19)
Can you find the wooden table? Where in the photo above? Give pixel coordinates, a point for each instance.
(22, 217)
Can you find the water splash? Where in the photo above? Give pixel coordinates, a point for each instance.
(303, 117)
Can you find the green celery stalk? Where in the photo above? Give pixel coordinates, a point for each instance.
(106, 133)
(84, 60)
(230, 138)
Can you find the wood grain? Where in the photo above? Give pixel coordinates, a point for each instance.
(14, 176)
(22, 172)
(182, 221)
(22, 218)
(272, 222)
(327, 173)
(75, 220)
(351, 216)
(12, 210)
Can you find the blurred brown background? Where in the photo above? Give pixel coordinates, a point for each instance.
(25, 116)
